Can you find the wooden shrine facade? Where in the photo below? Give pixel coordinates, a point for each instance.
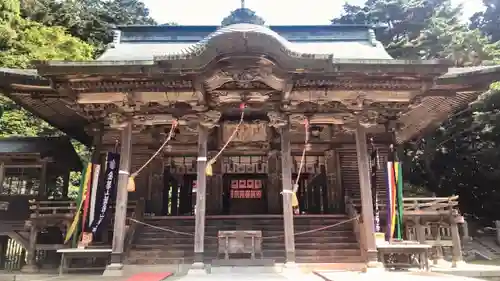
(34, 185)
(349, 92)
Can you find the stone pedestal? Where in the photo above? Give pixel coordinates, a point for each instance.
(30, 268)
(197, 268)
(113, 270)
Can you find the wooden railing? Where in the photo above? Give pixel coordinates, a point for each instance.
(428, 220)
(357, 224)
(52, 208)
(48, 208)
(421, 206)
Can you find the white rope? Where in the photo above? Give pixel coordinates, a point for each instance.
(170, 134)
(303, 157)
(230, 138)
(264, 237)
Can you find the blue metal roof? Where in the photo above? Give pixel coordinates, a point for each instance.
(341, 41)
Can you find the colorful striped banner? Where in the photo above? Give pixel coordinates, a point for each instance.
(86, 199)
(400, 200)
(395, 200)
(72, 230)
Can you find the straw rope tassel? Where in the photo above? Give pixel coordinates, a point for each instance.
(131, 179)
(208, 168)
(295, 201)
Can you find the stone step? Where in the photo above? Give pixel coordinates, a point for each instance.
(155, 240)
(298, 246)
(268, 253)
(254, 223)
(336, 244)
(148, 233)
(189, 260)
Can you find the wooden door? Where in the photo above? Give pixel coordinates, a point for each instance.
(312, 193)
(178, 194)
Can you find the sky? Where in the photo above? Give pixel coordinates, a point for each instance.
(274, 12)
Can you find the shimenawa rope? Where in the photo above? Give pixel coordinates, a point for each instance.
(265, 237)
(131, 179)
(208, 169)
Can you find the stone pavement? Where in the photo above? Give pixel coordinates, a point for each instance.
(294, 276)
(390, 276)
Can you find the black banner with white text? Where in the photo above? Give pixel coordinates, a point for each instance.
(106, 191)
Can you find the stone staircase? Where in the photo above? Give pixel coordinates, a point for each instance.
(333, 245)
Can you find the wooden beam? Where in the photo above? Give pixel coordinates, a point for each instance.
(2, 176)
(366, 197)
(43, 179)
(286, 171)
(457, 244)
(201, 185)
(119, 229)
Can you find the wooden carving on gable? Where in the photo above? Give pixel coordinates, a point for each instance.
(247, 132)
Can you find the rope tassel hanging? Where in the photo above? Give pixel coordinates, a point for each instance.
(295, 201)
(208, 168)
(131, 179)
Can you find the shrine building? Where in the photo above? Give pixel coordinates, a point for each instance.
(336, 79)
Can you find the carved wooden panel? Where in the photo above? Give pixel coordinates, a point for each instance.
(245, 164)
(247, 132)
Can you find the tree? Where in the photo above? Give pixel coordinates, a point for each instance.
(461, 156)
(89, 20)
(488, 20)
(416, 29)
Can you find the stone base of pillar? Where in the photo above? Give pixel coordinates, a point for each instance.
(30, 268)
(374, 266)
(372, 259)
(439, 261)
(456, 264)
(291, 269)
(197, 268)
(114, 270)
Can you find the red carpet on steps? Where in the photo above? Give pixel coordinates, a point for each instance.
(150, 276)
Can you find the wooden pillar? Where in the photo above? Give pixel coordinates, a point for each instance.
(65, 187)
(435, 228)
(157, 185)
(214, 188)
(334, 191)
(199, 231)
(465, 231)
(286, 171)
(2, 176)
(366, 197)
(420, 232)
(119, 229)
(31, 266)
(273, 183)
(43, 190)
(457, 244)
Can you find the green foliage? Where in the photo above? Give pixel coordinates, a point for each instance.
(90, 20)
(37, 42)
(488, 20)
(461, 156)
(418, 29)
